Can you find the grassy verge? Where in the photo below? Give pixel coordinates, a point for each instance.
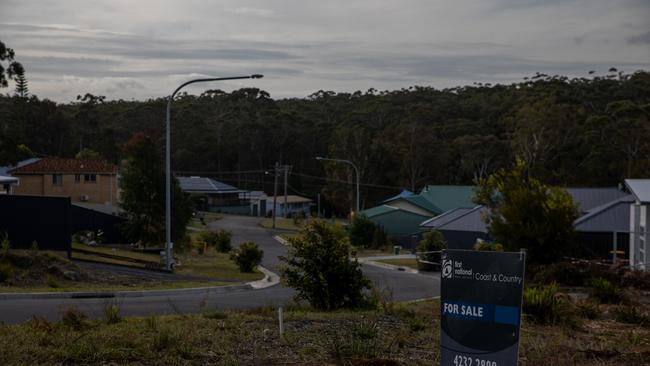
(365, 252)
(72, 286)
(397, 334)
(408, 262)
(283, 224)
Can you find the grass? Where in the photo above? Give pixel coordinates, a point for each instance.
(406, 262)
(366, 252)
(213, 264)
(408, 334)
(283, 224)
(116, 251)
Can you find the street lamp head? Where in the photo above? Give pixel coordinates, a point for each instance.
(257, 76)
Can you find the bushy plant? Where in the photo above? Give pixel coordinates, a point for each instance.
(630, 315)
(432, 241)
(112, 313)
(247, 256)
(220, 240)
(605, 291)
(73, 318)
(485, 246)
(6, 245)
(361, 231)
(543, 306)
(5, 271)
(319, 268)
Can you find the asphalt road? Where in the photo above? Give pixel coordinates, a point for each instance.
(402, 286)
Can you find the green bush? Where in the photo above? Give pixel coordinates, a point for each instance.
(542, 305)
(5, 271)
(431, 241)
(319, 268)
(220, 240)
(361, 231)
(605, 291)
(112, 313)
(484, 246)
(247, 256)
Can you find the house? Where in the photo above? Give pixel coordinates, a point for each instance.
(258, 201)
(601, 225)
(400, 216)
(83, 180)
(7, 184)
(296, 205)
(215, 196)
(639, 223)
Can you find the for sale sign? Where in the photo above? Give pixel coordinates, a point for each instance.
(480, 309)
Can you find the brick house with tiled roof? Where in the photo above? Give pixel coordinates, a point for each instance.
(83, 180)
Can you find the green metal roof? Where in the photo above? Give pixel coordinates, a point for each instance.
(446, 198)
(398, 222)
(379, 210)
(422, 202)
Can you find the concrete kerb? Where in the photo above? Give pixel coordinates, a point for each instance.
(372, 261)
(270, 279)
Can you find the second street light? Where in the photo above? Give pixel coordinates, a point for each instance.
(168, 206)
(356, 170)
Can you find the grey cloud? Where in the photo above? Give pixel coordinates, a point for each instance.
(639, 39)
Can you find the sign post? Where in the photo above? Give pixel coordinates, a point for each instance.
(480, 306)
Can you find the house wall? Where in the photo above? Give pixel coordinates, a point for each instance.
(639, 224)
(399, 223)
(104, 190)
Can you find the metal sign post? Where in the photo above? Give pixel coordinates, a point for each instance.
(480, 305)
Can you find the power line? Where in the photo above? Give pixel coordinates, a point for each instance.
(345, 182)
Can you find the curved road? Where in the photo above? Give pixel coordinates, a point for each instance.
(404, 286)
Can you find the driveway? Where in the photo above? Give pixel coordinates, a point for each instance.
(403, 286)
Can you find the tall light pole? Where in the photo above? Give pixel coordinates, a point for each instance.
(168, 195)
(356, 170)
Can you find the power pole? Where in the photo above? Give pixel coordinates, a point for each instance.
(286, 174)
(275, 190)
(318, 195)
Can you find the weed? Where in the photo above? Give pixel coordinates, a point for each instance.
(151, 322)
(51, 281)
(112, 313)
(73, 318)
(41, 324)
(588, 309)
(5, 271)
(542, 304)
(417, 324)
(217, 315)
(630, 315)
(6, 245)
(166, 338)
(82, 350)
(605, 291)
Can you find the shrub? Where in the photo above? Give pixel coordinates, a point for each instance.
(220, 240)
(485, 246)
(319, 268)
(5, 271)
(361, 231)
(543, 306)
(605, 291)
(247, 256)
(431, 241)
(73, 318)
(6, 245)
(588, 309)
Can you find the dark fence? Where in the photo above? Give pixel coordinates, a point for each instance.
(44, 220)
(87, 219)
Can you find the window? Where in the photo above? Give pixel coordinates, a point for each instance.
(90, 178)
(77, 178)
(57, 179)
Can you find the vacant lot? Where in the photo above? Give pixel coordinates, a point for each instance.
(394, 334)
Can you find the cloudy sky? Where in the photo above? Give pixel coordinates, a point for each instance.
(132, 49)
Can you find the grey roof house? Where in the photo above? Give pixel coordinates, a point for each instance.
(215, 196)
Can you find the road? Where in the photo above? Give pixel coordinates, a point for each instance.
(402, 286)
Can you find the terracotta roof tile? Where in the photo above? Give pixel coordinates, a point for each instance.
(56, 165)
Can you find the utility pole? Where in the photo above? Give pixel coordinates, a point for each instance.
(318, 198)
(275, 190)
(286, 175)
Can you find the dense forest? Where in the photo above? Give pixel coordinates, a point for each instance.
(573, 132)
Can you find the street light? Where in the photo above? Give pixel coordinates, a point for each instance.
(168, 205)
(356, 170)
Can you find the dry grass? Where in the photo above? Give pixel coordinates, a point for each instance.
(404, 334)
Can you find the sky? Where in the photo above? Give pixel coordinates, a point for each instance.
(135, 50)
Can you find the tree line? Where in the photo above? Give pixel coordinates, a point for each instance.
(591, 131)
